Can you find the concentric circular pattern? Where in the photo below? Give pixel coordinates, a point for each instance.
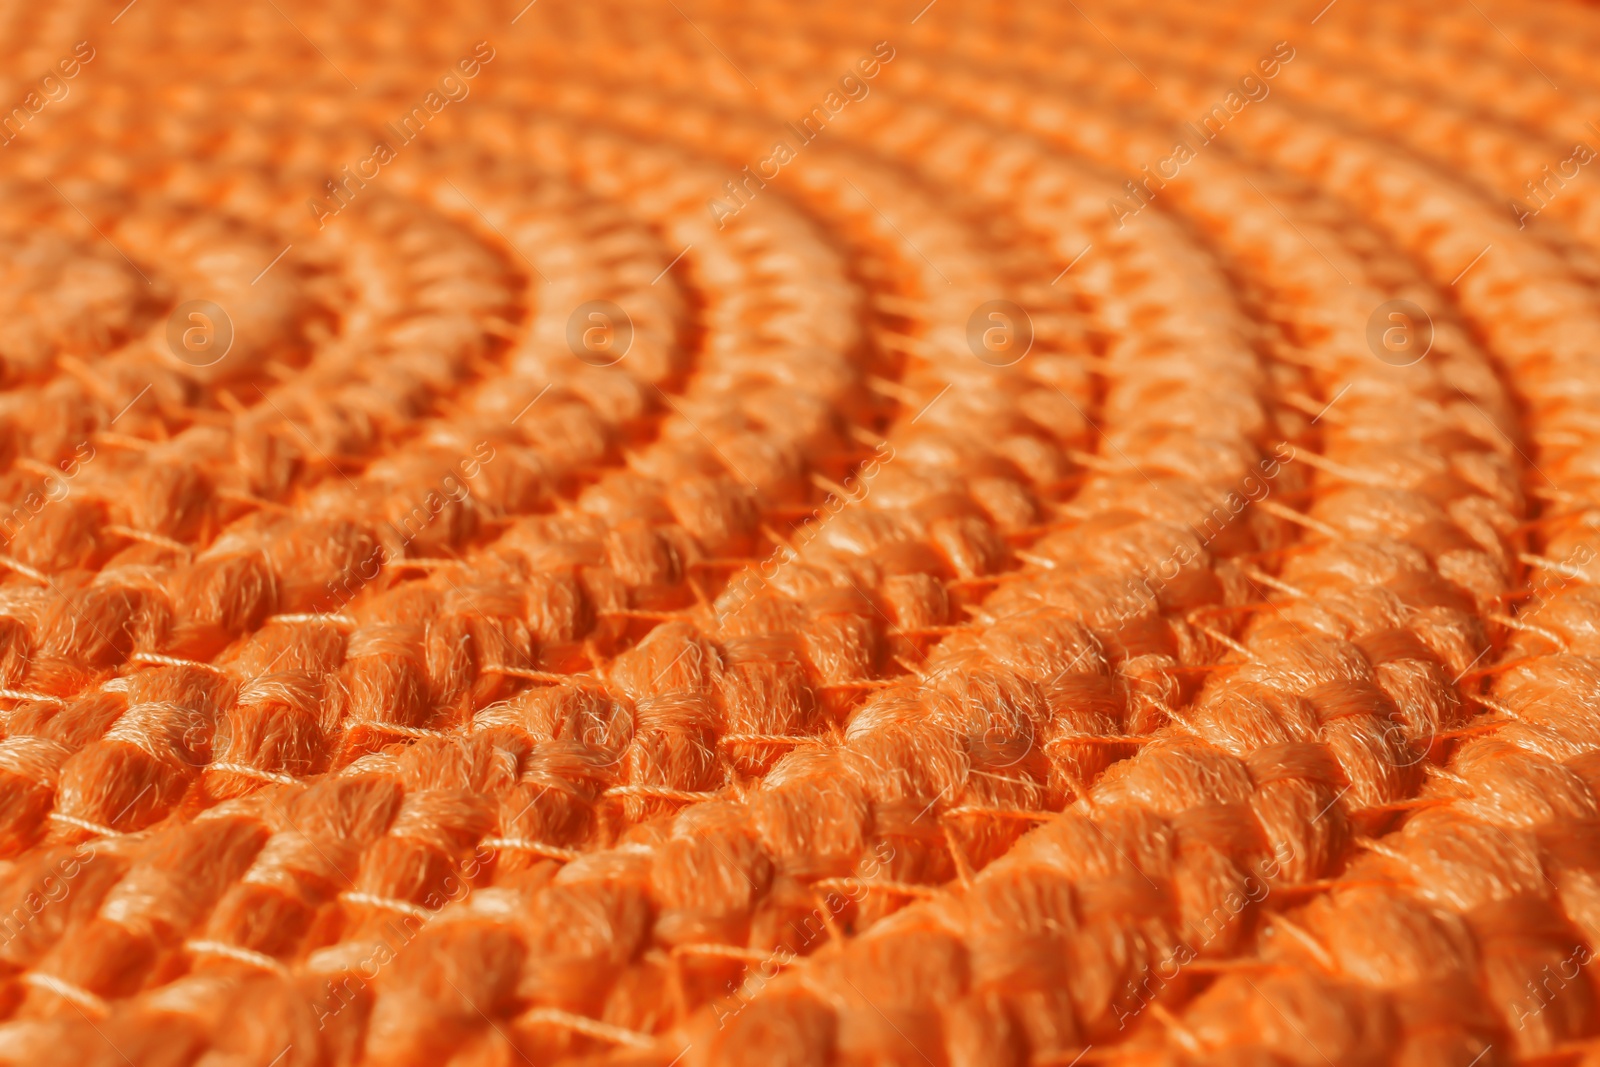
(799, 534)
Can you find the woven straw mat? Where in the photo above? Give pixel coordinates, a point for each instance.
(691, 533)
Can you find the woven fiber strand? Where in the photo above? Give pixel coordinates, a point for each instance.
(519, 543)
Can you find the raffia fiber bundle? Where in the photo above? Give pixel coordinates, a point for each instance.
(722, 534)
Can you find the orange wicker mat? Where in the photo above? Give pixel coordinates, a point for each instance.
(799, 534)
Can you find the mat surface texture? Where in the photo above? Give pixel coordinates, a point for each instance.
(680, 534)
